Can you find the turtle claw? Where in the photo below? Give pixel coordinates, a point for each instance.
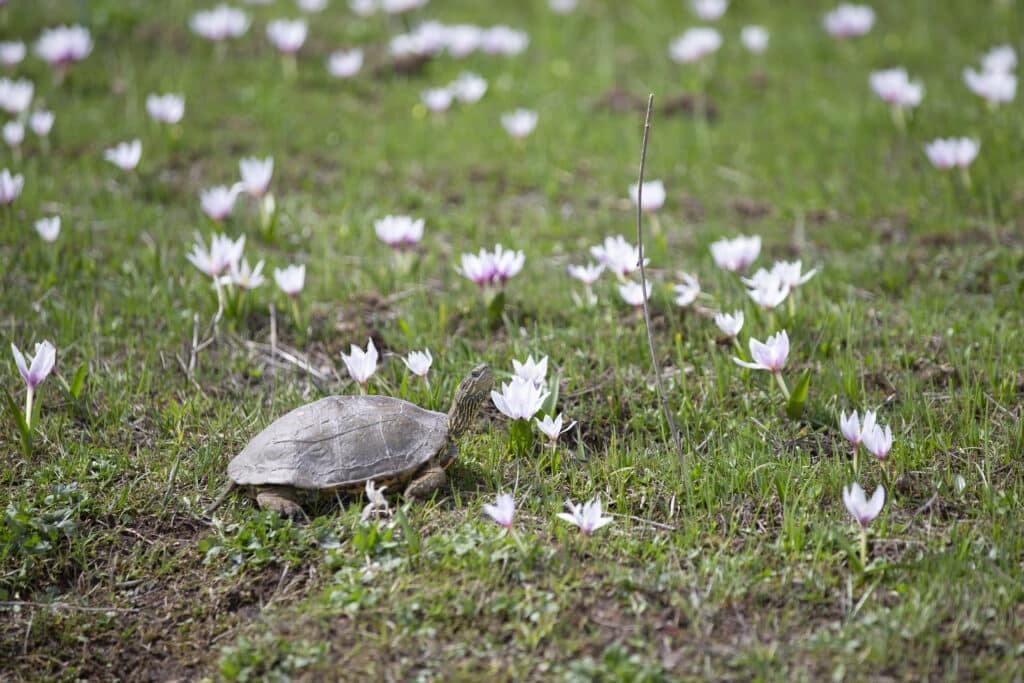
(429, 480)
(282, 501)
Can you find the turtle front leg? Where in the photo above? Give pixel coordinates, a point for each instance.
(280, 499)
(426, 481)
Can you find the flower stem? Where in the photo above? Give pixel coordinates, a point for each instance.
(782, 384)
(791, 304)
(899, 119)
(739, 347)
(28, 407)
(295, 312)
(362, 388)
(965, 176)
(856, 449)
(864, 546)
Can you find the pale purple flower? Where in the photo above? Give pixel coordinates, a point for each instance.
(519, 399)
(587, 517)
(618, 255)
(287, 35)
(437, 99)
(168, 108)
(850, 427)
(686, 293)
(10, 186)
(950, 152)
(769, 293)
(1001, 58)
(864, 511)
(996, 87)
(477, 267)
(754, 38)
(291, 280)
(125, 155)
(791, 275)
(14, 133)
(877, 440)
(587, 274)
(35, 368)
(222, 253)
(633, 293)
(848, 21)
(361, 364)
(507, 263)
(221, 23)
(468, 87)
(736, 254)
(11, 53)
(503, 40)
(345, 63)
(16, 96)
(531, 370)
(399, 231)
(41, 122)
(694, 45)
(256, 175)
(503, 510)
(894, 87)
(519, 123)
(48, 228)
(709, 10)
(244, 277)
(730, 324)
(770, 355)
(553, 428)
(459, 41)
(419, 362)
(654, 194)
(63, 45)
(217, 202)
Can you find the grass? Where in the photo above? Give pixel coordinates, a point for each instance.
(745, 566)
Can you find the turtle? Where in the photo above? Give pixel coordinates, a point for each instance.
(339, 443)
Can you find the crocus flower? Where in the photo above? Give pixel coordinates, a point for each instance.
(694, 45)
(217, 202)
(287, 35)
(1002, 58)
(400, 6)
(10, 186)
(503, 40)
(863, 510)
(168, 108)
(291, 280)
(730, 324)
(709, 10)
(770, 355)
(519, 123)
(851, 427)
(686, 293)
(736, 254)
(587, 274)
(63, 45)
(503, 510)
(587, 517)
(11, 53)
(769, 293)
(519, 399)
(878, 441)
(618, 255)
(507, 263)
(48, 228)
(553, 428)
(256, 175)
(477, 267)
(754, 38)
(654, 194)
(950, 152)
(125, 155)
(220, 23)
(996, 87)
(345, 63)
(437, 99)
(419, 362)
(468, 87)
(222, 253)
(16, 96)
(14, 133)
(361, 364)
(459, 41)
(633, 293)
(531, 370)
(41, 122)
(399, 231)
(848, 21)
(35, 368)
(377, 502)
(244, 277)
(894, 87)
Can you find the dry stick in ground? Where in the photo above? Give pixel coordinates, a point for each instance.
(643, 288)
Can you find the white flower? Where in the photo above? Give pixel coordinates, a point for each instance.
(14, 133)
(217, 202)
(553, 428)
(694, 44)
(16, 96)
(686, 293)
(531, 370)
(361, 364)
(460, 40)
(520, 399)
(11, 53)
(562, 6)
(736, 254)
(41, 122)
(345, 63)
(633, 294)
(477, 267)
(468, 87)
(654, 194)
(587, 517)
(769, 293)
(730, 324)
(754, 38)
(709, 10)
(587, 274)
(851, 426)
(877, 440)
(364, 8)
(222, 254)
(947, 153)
(789, 273)
(895, 87)
(847, 21)
(35, 368)
(506, 263)
(398, 231)
(48, 228)
(287, 35)
(419, 362)
(312, 6)
(399, 6)
(503, 510)
(10, 186)
(220, 23)
(770, 356)
(291, 280)
(437, 99)
(378, 503)
(519, 123)
(618, 255)
(64, 44)
(125, 155)
(167, 108)
(1002, 58)
(863, 510)
(243, 277)
(502, 40)
(997, 87)
(256, 175)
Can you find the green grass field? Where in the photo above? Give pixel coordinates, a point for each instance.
(736, 561)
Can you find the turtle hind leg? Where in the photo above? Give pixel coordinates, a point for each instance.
(426, 481)
(280, 499)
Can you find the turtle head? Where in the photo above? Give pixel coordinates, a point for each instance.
(470, 395)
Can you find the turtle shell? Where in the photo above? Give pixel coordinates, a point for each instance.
(341, 441)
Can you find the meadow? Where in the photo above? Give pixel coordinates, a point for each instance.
(726, 547)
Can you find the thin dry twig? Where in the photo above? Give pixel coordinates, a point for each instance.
(643, 286)
(11, 604)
